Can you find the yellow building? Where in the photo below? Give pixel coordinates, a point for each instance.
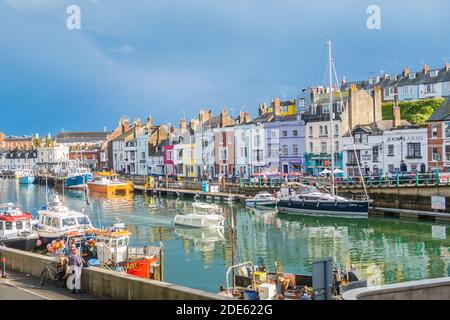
(190, 166)
(283, 108)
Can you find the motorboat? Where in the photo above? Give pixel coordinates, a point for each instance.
(298, 198)
(56, 219)
(262, 199)
(15, 228)
(204, 216)
(25, 176)
(108, 183)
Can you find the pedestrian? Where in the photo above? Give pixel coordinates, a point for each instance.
(75, 267)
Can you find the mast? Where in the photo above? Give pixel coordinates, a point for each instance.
(330, 61)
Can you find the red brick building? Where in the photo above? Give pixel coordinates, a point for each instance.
(439, 138)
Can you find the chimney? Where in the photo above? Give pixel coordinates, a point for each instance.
(203, 116)
(137, 123)
(314, 94)
(193, 124)
(377, 103)
(425, 69)
(405, 72)
(276, 106)
(244, 117)
(386, 76)
(222, 117)
(262, 109)
(446, 67)
(183, 125)
(397, 121)
(149, 122)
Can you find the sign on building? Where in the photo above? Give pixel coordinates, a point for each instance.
(438, 202)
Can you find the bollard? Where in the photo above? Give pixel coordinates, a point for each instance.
(3, 267)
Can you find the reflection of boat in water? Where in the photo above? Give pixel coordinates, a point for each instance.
(202, 238)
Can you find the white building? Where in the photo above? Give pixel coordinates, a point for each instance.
(52, 154)
(250, 149)
(405, 150)
(142, 155)
(13, 160)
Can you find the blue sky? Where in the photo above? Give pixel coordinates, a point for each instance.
(166, 57)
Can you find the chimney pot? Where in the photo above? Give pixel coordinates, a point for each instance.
(405, 72)
(425, 69)
(447, 67)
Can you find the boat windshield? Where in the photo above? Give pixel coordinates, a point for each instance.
(83, 220)
(68, 222)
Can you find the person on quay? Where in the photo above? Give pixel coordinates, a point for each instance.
(75, 267)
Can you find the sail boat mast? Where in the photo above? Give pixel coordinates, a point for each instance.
(331, 111)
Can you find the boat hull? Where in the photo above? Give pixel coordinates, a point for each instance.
(26, 180)
(186, 221)
(24, 244)
(351, 209)
(78, 181)
(111, 190)
(260, 203)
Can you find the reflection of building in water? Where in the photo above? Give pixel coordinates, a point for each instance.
(159, 233)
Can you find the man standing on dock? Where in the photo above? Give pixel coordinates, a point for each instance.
(75, 266)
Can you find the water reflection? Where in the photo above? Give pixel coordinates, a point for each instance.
(383, 250)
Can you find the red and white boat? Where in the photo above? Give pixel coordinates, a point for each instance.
(16, 229)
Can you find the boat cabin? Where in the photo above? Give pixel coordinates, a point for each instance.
(112, 245)
(13, 219)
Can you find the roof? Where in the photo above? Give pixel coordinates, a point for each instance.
(82, 136)
(377, 127)
(442, 112)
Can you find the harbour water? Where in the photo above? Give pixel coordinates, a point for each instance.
(383, 250)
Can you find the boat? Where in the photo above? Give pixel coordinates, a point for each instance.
(262, 199)
(56, 219)
(297, 198)
(16, 228)
(309, 200)
(77, 179)
(27, 179)
(109, 184)
(255, 282)
(204, 216)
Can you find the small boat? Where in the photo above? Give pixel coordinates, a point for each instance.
(56, 219)
(204, 216)
(77, 179)
(109, 184)
(262, 199)
(27, 179)
(16, 229)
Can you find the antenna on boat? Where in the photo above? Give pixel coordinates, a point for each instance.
(330, 61)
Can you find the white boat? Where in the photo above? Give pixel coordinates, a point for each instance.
(15, 228)
(56, 219)
(263, 199)
(204, 216)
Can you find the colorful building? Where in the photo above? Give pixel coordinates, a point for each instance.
(439, 138)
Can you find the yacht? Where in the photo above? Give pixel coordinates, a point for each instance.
(15, 228)
(204, 216)
(56, 219)
(308, 199)
(264, 199)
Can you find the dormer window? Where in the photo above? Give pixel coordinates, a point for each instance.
(393, 78)
(371, 81)
(326, 108)
(434, 73)
(313, 108)
(339, 106)
(412, 75)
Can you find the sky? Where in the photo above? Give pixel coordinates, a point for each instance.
(171, 58)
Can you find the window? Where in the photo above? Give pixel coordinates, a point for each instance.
(414, 150)
(68, 222)
(55, 223)
(83, 220)
(295, 132)
(390, 150)
(301, 102)
(284, 108)
(389, 91)
(375, 153)
(310, 131)
(323, 147)
(257, 141)
(223, 154)
(326, 130)
(8, 225)
(285, 150)
(408, 90)
(295, 149)
(352, 160)
(273, 133)
(339, 107)
(434, 73)
(326, 109)
(435, 154)
(1, 225)
(336, 146)
(311, 147)
(284, 133)
(434, 130)
(224, 169)
(447, 152)
(391, 168)
(393, 78)
(430, 88)
(313, 109)
(336, 130)
(361, 137)
(412, 75)
(447, 129)
(321, 130)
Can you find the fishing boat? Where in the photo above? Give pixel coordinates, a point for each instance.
(56, 219)
(25, 176)
(203, 216)
(309, 200)
(16, 228)
(108, 183)
(262, 199)
(77, 179)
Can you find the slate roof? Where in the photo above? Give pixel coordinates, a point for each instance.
(68, 137)
(442, 112)
(377, 128)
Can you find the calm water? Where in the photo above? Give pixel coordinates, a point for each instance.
(383, 250)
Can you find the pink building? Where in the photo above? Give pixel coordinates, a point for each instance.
(224, 151)
(169, 164)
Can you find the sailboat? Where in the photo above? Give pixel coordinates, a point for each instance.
(302, 199)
